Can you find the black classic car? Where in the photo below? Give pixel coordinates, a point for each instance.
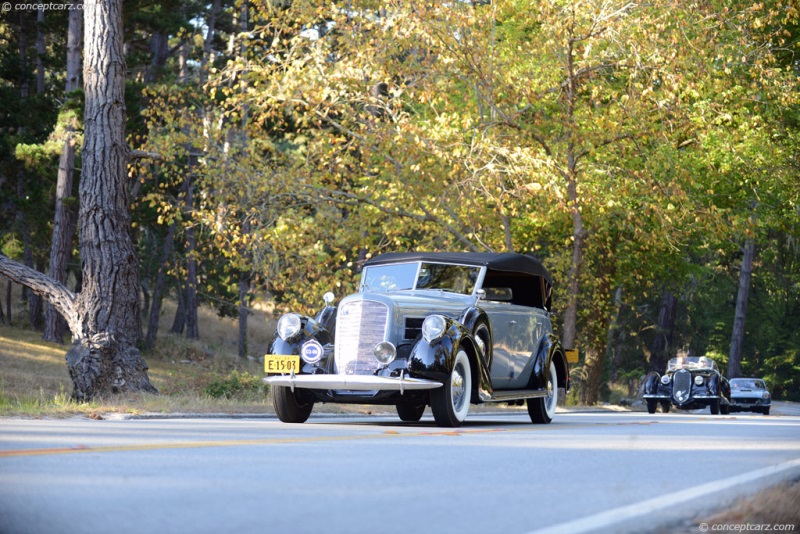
(690, 383)
(750, 395)
(444, 330)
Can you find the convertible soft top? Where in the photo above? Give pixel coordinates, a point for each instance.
(508, 262)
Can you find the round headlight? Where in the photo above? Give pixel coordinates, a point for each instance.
(433, 327)
(665, 379)
(311, 351)
(384, 352)
(698, 380)
(765, 395)
(288, 325)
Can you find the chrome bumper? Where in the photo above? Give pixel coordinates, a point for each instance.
(351, 382)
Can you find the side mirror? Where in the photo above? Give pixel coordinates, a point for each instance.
(481, 294)
(327, 298)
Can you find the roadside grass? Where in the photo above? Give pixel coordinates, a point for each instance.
(195, 376)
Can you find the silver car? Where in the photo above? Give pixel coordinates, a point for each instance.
(750, 395)
(444, 330)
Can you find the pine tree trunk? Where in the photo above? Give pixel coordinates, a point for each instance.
(104, 358)
(661, 349)
(737, 338)
(158, 290)
(244, 289)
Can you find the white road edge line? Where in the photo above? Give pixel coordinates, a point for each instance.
(609, 518)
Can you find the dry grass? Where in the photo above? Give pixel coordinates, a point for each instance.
(779, 505)
(34, 380)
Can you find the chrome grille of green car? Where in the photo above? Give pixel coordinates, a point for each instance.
(681, 385)
(360, 325)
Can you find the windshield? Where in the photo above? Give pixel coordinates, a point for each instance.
(437, 276)
(690, 363)
(746, 383)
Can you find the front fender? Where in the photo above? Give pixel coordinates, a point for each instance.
(651, 383)
(434, 360)
(310, 329)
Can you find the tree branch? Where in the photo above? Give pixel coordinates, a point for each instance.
(56, 293)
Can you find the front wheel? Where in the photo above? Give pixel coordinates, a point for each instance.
(450, 403)
(724, 409)
(288, 407)
(715, 407)
(543, 409)
(652, 406)
(665, 407)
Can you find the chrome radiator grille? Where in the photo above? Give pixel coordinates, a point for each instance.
(360, 325)
(681, 385)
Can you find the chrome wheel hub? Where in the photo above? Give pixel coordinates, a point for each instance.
(457, 387)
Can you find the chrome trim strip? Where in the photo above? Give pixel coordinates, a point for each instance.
(351, 382)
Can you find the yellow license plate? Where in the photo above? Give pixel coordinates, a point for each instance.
(275, 364)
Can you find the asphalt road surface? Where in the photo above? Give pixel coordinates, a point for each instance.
(604, 472)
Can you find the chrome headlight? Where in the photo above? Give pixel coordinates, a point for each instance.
(698, 380)
(311, 351)
(665, 379)
(288, 325)
(385, 352)
(433, 327)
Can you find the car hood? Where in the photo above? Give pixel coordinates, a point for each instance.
(420, 303)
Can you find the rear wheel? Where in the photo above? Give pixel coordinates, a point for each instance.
(715, 407)
(542, 409)
(410, 412)
(450, 403)
(289, 406)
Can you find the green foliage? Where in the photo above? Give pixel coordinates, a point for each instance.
(236, 385)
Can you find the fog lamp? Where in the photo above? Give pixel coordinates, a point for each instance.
(384, 352)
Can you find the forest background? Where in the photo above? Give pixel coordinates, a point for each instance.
(646, 153)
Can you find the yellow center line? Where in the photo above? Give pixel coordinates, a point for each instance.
(231, 443)
(82, 449)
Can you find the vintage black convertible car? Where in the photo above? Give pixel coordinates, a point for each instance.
(690, 383)
(444, 330)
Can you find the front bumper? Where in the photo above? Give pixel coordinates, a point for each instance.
(351, 382)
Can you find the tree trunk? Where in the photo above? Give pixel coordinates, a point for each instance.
(158, 290)
(179, 320)
(737, 338)
(191, 303)
(244, 289)
(208, 50)
(661, 349)
(40, 51)
(104, 316)
(8, 302)
(63, 230)
(74, 38)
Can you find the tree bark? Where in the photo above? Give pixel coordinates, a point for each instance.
(737, 338)
(104, 316)
(191, 303)
(158, 290)
(40, 51)
(208, 50)
(661, 348)
(64, 222)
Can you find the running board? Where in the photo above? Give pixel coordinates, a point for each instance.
(516, 394)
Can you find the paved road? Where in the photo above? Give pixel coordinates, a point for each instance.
(609, 472)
